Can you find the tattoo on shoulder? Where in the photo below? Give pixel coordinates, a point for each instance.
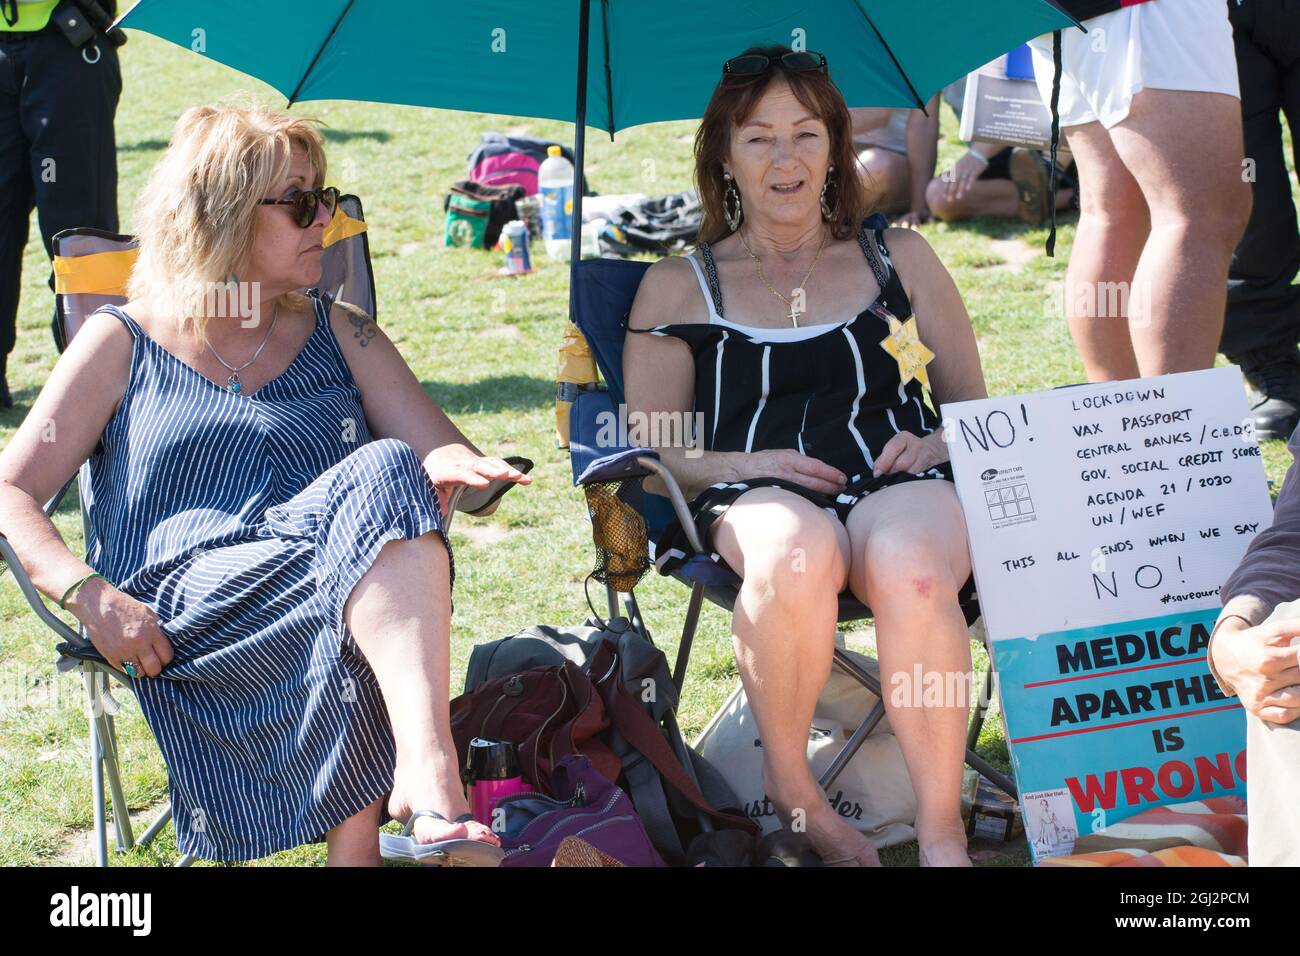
(363, 326)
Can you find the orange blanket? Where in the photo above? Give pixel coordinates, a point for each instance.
(1201, 833)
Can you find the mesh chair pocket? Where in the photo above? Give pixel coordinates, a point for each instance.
(619, 534)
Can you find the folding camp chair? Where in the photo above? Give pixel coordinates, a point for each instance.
(91, 268)
(602, 299)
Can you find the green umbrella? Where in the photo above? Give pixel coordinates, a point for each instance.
(635, 61)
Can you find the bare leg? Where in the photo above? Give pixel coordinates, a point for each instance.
(1200, 201)
(992, 198)
(353, 842)
(887, 179)
(910, 558)
(399, 614)
(793, 558)
(1113, 228)
(986, 197)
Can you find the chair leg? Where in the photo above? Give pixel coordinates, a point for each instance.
(634, 616)
(117, 799)
(105, 768)
(863, 676)
(108, 755)
(870, 682)
(682, 752)
(156, 827)
(112, 770)
(688, 635)
(96, 773)
(981, 711)
(995, 777)
(611, 600)
(852, 745)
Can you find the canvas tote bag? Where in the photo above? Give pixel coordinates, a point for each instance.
(873, 793)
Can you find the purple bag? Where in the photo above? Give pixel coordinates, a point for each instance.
(585, 805)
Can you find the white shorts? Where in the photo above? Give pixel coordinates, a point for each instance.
(1162, 45)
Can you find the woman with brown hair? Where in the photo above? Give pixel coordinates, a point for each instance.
(823, 468)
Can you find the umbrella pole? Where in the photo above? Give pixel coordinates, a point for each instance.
(576, 367)
(579, 141)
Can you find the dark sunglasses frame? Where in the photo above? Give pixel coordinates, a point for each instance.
(307, 202)
(757, 64)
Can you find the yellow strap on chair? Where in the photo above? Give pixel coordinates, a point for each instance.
(100, 273)
(342, 226)
(106, 273)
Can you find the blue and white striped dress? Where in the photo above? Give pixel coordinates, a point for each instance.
(244, 522)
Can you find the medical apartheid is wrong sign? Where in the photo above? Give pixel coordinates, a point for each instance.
(1103, 520)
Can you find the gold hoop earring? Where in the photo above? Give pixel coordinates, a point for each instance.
(827, 212)
(731, 207)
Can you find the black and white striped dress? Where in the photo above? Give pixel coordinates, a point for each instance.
(244, 522)
(830, 391)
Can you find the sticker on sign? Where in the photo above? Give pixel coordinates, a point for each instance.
(1007, 496)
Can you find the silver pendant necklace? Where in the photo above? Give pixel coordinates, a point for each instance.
(233, 383)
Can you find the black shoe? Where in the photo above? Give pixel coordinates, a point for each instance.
(1274, 377)
(6, 400)
(786, 848)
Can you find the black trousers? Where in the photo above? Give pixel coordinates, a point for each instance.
(1263, 303)
(57, 150)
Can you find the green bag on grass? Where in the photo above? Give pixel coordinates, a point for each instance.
(467, 220)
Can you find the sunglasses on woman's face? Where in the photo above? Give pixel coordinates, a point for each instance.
(306, 202)
(756, 64)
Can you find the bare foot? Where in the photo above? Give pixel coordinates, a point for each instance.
(837, 843)
(443, 795)
(945, 850)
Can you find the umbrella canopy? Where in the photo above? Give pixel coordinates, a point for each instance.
(646, 61)
(611, 64)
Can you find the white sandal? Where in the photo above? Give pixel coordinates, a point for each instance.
(456, 852)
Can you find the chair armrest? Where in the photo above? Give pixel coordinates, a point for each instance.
(616, 467)
(654, 465)
(594, 460)
(52, 505)
(595, 454)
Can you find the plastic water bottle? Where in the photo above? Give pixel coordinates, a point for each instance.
(555, 185)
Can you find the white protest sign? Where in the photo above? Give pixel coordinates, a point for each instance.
(1103, 520)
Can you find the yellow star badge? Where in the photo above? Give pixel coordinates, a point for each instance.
(904, 343)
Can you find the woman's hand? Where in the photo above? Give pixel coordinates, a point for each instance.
(1260, 664)
(915, 218)
(453, 466)
(911, 453)
(121, 628)
(789, 464)
(962, 175)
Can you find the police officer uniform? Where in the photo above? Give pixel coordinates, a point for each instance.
(57, 147)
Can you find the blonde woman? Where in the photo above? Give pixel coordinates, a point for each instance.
(268, 557)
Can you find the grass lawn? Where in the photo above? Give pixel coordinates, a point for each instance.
(485, 349)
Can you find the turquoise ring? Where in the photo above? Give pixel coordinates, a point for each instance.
(129, 667)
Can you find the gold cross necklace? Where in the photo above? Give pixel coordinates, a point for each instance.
(794, 312)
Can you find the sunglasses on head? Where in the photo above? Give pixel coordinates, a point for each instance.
(306, 202)
(756, 64)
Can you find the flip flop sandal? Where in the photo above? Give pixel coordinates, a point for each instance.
(1031, 181)
(457, 852)
(473, 501)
